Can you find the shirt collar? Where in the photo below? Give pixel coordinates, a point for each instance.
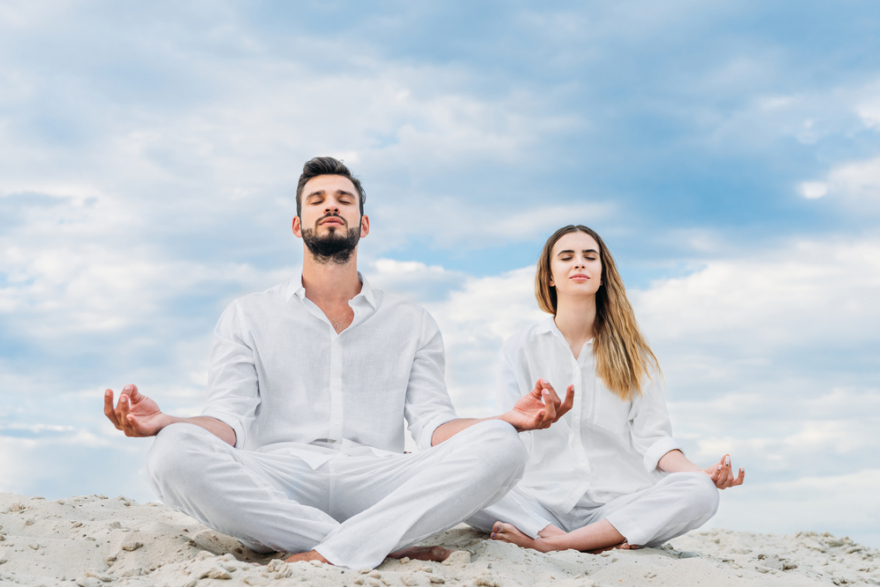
(296, 288)
(548, 326)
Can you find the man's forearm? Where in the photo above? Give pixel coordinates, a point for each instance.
(219, 429)
(446, 431)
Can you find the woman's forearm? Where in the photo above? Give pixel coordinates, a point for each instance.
(675, 462)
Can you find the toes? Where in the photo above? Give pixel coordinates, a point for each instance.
(496, 530)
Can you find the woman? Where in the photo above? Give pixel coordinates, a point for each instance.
(608, 473)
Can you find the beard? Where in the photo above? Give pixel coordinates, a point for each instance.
(334, 247)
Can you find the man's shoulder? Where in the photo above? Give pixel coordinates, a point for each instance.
(399, 305)
(274, 296)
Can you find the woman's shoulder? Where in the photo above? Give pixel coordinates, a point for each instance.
(529, 336)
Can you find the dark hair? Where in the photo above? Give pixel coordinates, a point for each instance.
(326, 166)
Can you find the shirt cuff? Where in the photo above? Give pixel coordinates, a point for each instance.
(657, 450)
(424, 441)
(231, 421)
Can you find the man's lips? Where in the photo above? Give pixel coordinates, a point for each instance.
(332, 220)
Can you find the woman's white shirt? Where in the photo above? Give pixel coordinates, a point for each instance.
(604, 447)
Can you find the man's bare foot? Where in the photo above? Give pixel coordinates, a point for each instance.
(627, 546)
(437, 554)
(511, 534)
(311, 555)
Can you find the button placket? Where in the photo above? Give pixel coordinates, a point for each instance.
(336, 401)
(580, 415)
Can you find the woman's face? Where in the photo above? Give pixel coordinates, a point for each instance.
(575, 265)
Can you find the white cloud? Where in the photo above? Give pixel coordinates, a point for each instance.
(413, 279)
(813, 190)
(855, 182)
(806, 293)
(869, 107)
(466, 224)
(859, 179)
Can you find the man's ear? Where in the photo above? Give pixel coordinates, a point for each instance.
(297, 227)
(365, 225)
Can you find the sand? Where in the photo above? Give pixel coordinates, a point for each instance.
(94, 541)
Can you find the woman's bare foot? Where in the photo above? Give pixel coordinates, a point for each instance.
(511, 534)
(437, 554)
(606, 548)
(311, 555)
(621, 546)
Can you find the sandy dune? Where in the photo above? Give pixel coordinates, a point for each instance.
(94, 540)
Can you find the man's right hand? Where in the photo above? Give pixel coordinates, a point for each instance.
(135, 414)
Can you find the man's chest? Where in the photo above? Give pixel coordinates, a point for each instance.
(340, 317)
(311, 348)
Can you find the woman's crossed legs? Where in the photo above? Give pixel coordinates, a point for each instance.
(678, 503)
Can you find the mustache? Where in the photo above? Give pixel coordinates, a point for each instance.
(331, 215)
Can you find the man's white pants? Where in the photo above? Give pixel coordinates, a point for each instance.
(676, 504)
(353, 510)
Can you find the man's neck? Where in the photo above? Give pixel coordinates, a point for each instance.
(330, 284)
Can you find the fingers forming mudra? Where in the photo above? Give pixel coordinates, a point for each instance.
(722, 474)
(556, 408)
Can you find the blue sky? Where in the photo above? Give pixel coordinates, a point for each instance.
(727, 152)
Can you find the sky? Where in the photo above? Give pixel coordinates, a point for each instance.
(727, 152)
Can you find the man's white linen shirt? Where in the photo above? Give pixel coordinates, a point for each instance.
(603, 447)
(286, 382)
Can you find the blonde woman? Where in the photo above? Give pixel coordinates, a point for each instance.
(608, 473)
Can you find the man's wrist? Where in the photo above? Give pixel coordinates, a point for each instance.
(510, 418)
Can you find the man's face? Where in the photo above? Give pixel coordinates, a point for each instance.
(330, 222)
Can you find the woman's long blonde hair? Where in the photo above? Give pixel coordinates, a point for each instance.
(623, 356)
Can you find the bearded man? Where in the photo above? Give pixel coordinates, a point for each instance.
(300, 445)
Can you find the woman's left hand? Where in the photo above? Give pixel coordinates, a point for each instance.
(721, 474)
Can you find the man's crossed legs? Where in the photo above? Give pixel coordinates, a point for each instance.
(353, 510)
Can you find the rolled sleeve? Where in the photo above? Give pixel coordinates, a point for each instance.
(230, 420)
(428, 405)
(650, 425)
(656, 451)
(233, 388)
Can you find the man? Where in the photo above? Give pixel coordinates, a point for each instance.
(300, 445)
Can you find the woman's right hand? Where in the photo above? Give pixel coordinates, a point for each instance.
(135, 414)
(721, 474)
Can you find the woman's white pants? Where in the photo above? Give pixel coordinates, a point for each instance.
(353, 510)
(676, 504)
